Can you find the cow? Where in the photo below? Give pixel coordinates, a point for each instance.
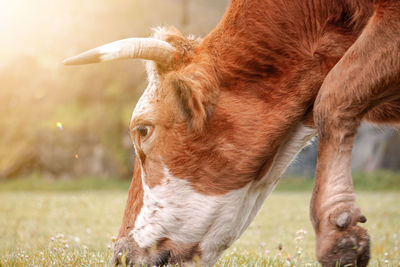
(223, 116)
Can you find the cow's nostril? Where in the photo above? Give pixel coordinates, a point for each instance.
(128, 253)
(121, 259)
(163, 259)
(115, 261)
(123, 252)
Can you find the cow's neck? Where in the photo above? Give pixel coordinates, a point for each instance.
(260, 51)
(277, 47)
(265, 56)
(252, 59)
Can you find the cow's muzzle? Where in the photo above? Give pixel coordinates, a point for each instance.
(127, 252)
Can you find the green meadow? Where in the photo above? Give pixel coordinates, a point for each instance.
(71, 223)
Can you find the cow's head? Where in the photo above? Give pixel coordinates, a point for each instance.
(204, 163)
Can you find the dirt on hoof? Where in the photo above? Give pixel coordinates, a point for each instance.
(351, 249)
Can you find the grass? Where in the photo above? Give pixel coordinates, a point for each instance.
(382, 180)
(74, 228)
(37, 183)
(375, 181)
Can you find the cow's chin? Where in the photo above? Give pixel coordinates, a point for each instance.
(127, 251)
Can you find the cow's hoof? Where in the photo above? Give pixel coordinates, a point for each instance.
(351, 248)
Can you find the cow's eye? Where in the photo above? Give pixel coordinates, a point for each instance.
(143, 131)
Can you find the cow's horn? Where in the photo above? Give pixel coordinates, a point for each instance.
(145, 48)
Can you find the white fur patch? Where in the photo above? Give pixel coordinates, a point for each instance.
(144, 104)
(176, 211)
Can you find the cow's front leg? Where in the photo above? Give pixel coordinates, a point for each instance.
(333, 210)
(366, 76)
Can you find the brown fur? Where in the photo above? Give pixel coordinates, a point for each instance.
(133, 204)
(225, 105)
(364, 84)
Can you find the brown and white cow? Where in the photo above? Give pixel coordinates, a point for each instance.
(222, 118)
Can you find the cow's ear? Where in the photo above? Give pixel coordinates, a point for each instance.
(192, 101)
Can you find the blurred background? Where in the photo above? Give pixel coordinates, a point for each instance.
(71, 122)
(61, 123)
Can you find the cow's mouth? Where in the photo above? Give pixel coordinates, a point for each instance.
(163, 259)
(127, 252)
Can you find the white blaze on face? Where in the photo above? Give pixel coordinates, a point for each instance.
(173, 210)
(176, 211)
(144, 104)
